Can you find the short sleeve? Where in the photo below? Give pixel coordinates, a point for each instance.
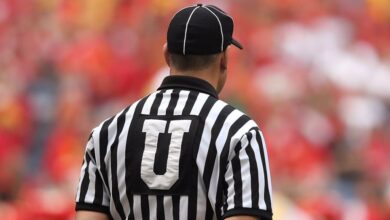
(248, 178)
(91, 191)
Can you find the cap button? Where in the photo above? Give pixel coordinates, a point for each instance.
(200, 5)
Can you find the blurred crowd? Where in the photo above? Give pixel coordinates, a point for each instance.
(314, 74)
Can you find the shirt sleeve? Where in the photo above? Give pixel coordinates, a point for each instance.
(91, 191)
(248, 178)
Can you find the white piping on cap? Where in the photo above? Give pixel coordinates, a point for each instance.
(185, 32)
(220, 26)
(182, 10)
(218, 9)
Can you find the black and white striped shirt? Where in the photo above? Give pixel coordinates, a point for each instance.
(179, 153)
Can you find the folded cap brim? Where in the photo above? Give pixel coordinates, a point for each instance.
(237, 44)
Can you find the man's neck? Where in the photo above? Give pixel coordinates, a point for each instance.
(206, 75)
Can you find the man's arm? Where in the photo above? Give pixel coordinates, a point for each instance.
(88, 215)
(248, 179)
(92, 197)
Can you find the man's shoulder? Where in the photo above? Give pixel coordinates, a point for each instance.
(109, 124)
(233, 123)
(233, 116)
(231, 109)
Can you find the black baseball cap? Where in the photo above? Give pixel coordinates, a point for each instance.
(200, 30)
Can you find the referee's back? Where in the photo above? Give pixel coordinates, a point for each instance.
(180, 153)
(177, 154)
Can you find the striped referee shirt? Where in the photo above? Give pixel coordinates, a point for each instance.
(179, 153)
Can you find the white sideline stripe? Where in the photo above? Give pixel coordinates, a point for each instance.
(185, 32)
(220, 26)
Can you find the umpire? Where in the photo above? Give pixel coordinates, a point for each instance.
(180, 152)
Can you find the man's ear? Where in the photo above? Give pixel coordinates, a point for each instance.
(224, 59)
(166, 54)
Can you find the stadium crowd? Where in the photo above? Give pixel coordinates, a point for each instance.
(315, 74)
